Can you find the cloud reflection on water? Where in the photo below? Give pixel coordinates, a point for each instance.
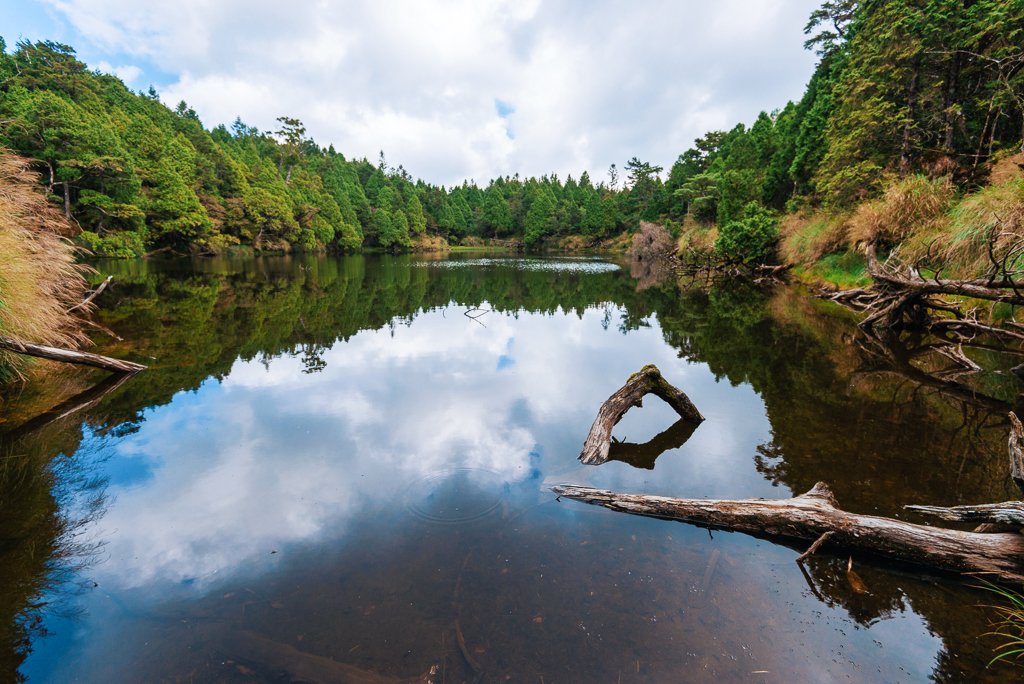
(272, 456)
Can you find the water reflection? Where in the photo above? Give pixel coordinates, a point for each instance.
(328, 462)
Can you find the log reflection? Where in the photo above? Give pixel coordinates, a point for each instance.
(644, 455)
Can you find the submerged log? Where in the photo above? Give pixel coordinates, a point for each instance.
(811, 515)
(69, 356)
(648, 381)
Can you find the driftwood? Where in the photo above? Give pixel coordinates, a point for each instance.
(648, 381)
(902, 298)
(811, 515)
(272, 659)
(1016, 449)
(92, 295)
(1006, 513)
(69, 356)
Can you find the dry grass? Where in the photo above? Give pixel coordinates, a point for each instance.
(804, 239)
(1007, 168)
(696, 238)
(913, 205)
(996, 211)
(39, 277)
(652, 241)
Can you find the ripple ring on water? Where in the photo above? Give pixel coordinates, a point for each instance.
(456, 496)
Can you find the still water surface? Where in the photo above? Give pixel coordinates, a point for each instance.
(337, 469)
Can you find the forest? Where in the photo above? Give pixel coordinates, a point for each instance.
(929, 93)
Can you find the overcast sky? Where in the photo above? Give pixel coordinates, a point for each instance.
(457, 89)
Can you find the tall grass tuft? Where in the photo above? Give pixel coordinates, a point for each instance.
(993, 213)
(39, 277)
(911, 206)
(1009, 624)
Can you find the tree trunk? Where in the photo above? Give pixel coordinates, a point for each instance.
(69, 356)
(647, 381)
(908, 124)
(811, 515)
(67, 201)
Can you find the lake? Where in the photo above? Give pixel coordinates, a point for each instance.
(339, 469)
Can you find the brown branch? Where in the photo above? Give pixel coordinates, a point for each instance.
(648, 381)
(92, 295)
(69, 356)
(1016, 450)
(1006, 513)
(811, 515)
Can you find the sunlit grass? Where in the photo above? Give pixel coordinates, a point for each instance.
(39, 277)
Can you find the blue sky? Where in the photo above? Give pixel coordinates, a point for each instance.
(452, 89)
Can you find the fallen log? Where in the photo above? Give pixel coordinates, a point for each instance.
(1001, 289)
(811, 515)
(647, 381)
(1006, 513)
(997, 514)
(69, 356)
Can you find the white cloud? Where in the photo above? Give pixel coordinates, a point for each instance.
(591, 83)
(126, 72)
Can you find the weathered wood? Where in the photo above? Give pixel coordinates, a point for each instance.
(1003, 289)
(69, 356)
(811, 515)
(1006, 513)
(1016, 449)
(272, 658)
(92, 295)
(648, 381)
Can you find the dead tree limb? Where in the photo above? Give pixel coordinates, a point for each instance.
(811, 515)
(1006, 513)
(1016, 449)
(648, 381)
(92, 295)
(1001, 289)
(69, 356)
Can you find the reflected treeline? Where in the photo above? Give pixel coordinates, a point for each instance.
(49, 495)
(840, 412)
(879, 432)
(191, 320)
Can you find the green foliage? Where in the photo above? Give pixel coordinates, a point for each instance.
(539, 216)
(750, 239)
(933, 86)
(121, 244)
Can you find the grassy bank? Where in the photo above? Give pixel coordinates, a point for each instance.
(39, 277)
(917, 219)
